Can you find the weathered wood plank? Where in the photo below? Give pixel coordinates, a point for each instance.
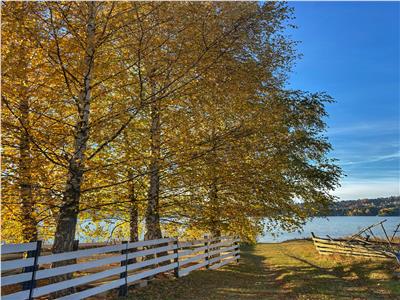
(221, 250)
(222, 244)
(192, 259)
(351, 248)
(151, 251)
(78, 267)
(16, 248)
(190, 251)
(96, 290)
(345, 247)
(149, 243)
(223, 263)
(150, 262)
(218, 258)
(78, 254)
(151, 272)
(13, 279)
(348, 249)
(185, 244)
(186, 271)
(44, 290)
(16, 296)
(355, 253)
(360, 243)
(17, 263)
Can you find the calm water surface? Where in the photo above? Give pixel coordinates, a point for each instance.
(335, 227)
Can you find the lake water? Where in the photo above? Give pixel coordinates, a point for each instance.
(335, 227)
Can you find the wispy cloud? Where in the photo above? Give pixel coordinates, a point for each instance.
(379, 158)
(370, 128)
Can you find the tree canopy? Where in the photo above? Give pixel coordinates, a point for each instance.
(121, 118)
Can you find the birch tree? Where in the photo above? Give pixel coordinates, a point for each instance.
(175, 114)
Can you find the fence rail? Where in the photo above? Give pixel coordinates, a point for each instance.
(99, 269)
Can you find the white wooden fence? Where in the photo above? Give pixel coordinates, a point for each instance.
(100, 269)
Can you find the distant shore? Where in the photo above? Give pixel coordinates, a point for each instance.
(335, 226)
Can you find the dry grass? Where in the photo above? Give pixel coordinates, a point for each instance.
(290, 270)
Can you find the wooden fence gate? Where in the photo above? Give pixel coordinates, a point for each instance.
(27, 273)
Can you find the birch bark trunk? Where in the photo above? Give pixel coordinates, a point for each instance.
(215, 228)
(153, 229)
(133, 216)
(68, 215)
(29, 226)
(28, 221)
(213, 192)
(133, 212)
(215, 207)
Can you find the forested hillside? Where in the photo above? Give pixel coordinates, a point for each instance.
(389, 206)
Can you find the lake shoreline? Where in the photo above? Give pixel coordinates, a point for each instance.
(335, 226)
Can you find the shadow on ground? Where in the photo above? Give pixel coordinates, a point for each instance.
(257, 277)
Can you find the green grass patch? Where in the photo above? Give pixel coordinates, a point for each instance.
(289, 270)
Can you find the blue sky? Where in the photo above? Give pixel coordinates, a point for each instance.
(351, 51)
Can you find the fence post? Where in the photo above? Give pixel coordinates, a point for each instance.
(123, 289)
(75, 247)
(131, 250)
(176, 259)
(30, 285)
(237, 248)
(207, 244)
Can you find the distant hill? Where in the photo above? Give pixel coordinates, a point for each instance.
(389, 206)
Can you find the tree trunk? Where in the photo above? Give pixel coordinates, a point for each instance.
(29, 226)
(215, 229)
(68, 215)
(28, 221)
(153, 229)
(133, 212)
(133, 216)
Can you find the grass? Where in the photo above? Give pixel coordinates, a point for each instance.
(289, 270)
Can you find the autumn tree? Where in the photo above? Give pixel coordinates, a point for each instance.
(71, 36)
(189, 48)
(241, 151)
(175, 114)
(25, 170)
